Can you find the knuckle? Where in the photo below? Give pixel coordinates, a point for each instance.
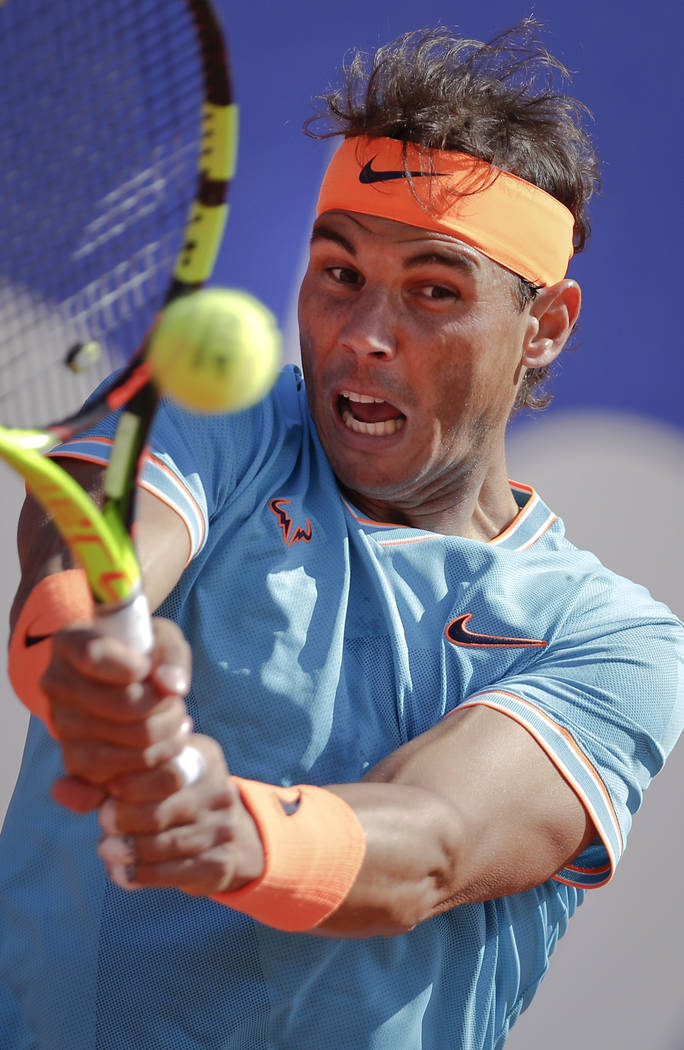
(158, 753)
(80, 759)
(158, 818)
(142, 735)
(133, 698)
(169, 779)
(219, 866)
(222, 799)
(147, 849)
(169, 636)
(65, 642)
(57, 685)
(224, 831)
(174, 842)
(62, 720)
(213, 748)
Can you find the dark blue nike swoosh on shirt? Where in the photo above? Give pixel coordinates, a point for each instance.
(458, 633)
(369, 174)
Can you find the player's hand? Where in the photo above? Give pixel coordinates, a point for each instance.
(160, 831)
(115, 711)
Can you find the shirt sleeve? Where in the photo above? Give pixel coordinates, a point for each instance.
(605, 700)
(194, 463)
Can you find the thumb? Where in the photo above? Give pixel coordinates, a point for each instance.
(171, 671)
(78, 795)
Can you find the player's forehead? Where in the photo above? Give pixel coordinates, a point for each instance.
(355, 232)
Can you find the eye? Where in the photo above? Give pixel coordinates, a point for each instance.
(438, 291)
(344, 275)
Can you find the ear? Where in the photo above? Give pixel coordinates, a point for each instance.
(553, 314)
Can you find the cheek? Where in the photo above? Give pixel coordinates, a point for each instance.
(306, 330)
(311, 343)
(314, 321)
(477, 384)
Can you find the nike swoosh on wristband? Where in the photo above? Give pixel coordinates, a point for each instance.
(290, 808)
(35, 639)
(458, 633)
(369, 174)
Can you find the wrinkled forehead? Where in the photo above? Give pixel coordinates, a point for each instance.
(352, 230)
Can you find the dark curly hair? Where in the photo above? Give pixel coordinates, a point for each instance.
(495, 101)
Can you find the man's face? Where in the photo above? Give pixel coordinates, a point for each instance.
(411, 348)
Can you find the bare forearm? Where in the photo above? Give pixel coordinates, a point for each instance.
(410, 870)
(444, 827)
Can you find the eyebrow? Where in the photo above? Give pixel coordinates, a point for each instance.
(454, 259)
(321, 232)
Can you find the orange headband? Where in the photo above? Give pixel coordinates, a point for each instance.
(508, 219)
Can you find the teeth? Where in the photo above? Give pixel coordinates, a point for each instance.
(386, 427)
(362, 399)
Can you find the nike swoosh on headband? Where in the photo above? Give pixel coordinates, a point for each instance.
(458, 633)
(369, 174)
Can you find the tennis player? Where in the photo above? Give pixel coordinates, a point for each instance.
(422, 719)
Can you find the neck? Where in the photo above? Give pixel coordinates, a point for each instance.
(479, 510)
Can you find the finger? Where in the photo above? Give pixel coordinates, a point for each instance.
(171, 659)
(117, 849)
(65, 687)
(185, 806)
(100, 762)
(124, 876)
(68, 691)
(164, 780)
(121, 818)
(159, 783)
(212, 871)
(201, 760)
(167, 719)
(174, 844)
(184, 769)
(77, 795)
(99, 657)
(151, 785)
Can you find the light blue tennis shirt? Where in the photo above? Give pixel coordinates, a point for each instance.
(322, 642)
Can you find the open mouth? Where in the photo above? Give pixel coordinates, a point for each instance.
(369, 415)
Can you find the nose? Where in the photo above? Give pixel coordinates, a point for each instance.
(370, 327)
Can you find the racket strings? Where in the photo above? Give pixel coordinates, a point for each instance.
(99, 151)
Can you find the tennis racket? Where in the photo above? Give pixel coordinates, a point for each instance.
(117, 147)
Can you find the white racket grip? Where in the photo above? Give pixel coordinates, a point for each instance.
(129, 622)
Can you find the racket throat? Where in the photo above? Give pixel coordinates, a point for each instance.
(129, 445)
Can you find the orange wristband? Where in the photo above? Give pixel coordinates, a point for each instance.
(314, 846)
(56, 601)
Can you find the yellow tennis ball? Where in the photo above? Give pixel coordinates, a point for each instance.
(215, 350)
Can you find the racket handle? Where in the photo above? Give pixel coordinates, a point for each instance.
(130, 623)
